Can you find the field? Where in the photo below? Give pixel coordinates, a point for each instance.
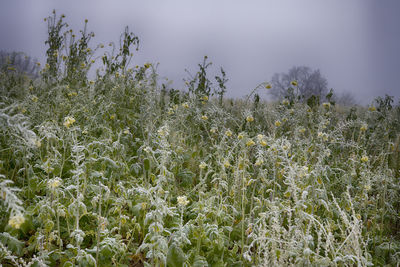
(120, 171)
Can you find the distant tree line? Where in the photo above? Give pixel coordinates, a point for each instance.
(19, 62)
(301, 83)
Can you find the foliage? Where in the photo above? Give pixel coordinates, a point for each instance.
(102, 174)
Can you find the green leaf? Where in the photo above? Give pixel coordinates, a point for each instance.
(175, 256)
(200, 261)
(12, 243)
(146, 163)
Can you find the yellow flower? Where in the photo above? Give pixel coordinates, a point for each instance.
(126, 131)
(163, 131)
(204, 98)
(249, 118)
(213, 130)
(147, 65)
(227, 164)
(326, 105)
(204, 117)
(259, 162)
(240, 136)
(16, 221)
(182, 201)
(364, 159)
(363, 128)
(38, 143)
(203, 165)
(268, 86)
(185, 105)
(372, 108)
(228, 133)
(34, 98)
(278, 123)
(261, 140)
(68, 121)
(54, 183)
(294, 83)
(112, 117)
(302, 130)
(250, 142)
(285, 102)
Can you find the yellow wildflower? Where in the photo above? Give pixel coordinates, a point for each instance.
(249, 118)
(228, 133)
(259, 162)
(250, 142)
(364, 159)
(227, 164)
(278, 123)
(204, 117)
(326, 105)
(372, 108)
(34, 98)
(54, 183)
(182, 201)
(268, 86)
(68, 121)
(185, 105)
(203, 165)
(16, 221)
(363, 128)
(38, 143)
(294, 83)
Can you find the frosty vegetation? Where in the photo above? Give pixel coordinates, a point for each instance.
(122, 170)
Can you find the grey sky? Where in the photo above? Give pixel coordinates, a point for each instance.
(353, 42)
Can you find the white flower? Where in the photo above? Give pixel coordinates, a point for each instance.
(182, 201)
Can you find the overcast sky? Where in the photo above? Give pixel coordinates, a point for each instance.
(355, 43)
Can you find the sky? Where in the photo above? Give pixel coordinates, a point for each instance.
(354, 43)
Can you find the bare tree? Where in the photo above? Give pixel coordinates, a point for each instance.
(299, 83)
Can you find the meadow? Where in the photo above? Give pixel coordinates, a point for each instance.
(119, 170)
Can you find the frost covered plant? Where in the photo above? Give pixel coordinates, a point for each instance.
(159, 177)
(68, 121)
